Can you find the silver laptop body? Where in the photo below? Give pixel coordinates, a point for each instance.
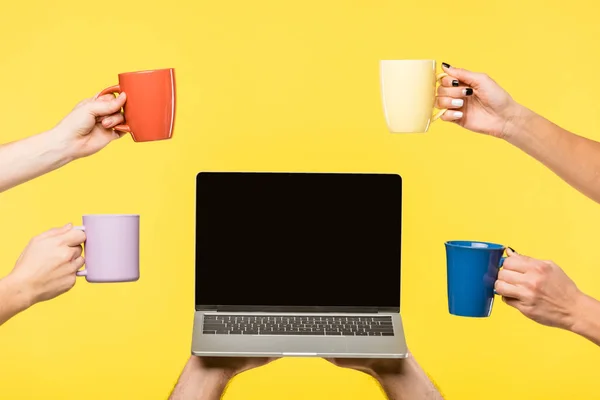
(298, 264)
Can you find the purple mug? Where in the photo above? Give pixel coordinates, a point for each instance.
(112, 247)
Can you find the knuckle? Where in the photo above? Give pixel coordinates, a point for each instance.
(534, 284)
(64, 254)
(541, 267)
(530, 295)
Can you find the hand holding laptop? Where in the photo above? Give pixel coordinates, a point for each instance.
(401, 378)
(205, 378)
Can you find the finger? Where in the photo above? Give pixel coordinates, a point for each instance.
(456, 92)
(104, 97)
(55, 231)
(450, 81)
(451, 115)
(448, 102)
(77, 251)
(510, 301)
(512, 277)
(76, 264)
(73, 237)
(468, 77)
(113, 120)
(107, 107)
(518, 263)
(507, 290)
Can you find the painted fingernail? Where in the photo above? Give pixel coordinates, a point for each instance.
(468, 91)
(445, 65)
(457, 114)
(455, 83)
(457, 102)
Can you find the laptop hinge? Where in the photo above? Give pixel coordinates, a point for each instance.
(292, 309)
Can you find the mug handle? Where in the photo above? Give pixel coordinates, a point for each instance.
(112, 90)
(442, 111)
(81, 272)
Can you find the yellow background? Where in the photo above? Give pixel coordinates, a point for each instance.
(293, 85)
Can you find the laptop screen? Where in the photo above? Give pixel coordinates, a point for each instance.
(298, 239)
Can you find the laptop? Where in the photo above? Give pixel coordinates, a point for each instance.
(298, 264)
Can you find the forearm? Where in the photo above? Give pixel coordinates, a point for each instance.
(31, 157)
(13, 298)
(409, 383)
(573, 158)
(587, 319)
(197, 383)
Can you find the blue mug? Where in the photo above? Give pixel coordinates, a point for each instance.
(472, 271)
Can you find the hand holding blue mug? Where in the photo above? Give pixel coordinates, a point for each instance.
(541, 290)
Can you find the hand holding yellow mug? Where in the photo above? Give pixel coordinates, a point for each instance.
(408, 93)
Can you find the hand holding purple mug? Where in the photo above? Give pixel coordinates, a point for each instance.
(46, 269)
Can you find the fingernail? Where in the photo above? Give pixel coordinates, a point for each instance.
(468, 91)
(455, 83)
(457, 114)
(445, 65)
(457, 102)
(106, 121)
(69, 225)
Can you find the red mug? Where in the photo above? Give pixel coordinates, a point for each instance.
(150, 107)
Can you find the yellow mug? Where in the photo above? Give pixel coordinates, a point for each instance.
(408, 94)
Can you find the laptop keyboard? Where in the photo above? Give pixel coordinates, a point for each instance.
(297, 325)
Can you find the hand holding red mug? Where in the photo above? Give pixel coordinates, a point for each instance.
(88, 128)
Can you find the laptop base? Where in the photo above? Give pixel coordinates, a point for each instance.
(218, 345)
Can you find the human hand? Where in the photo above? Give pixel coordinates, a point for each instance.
(538, 289)
(475, 102)
(48, 265)
(88, 127)
(401, 379)
(230, 366)
(371, 366)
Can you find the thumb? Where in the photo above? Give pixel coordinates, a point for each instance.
(468, 77)
(102, 108)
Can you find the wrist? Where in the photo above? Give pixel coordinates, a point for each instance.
(218, 377)
(586, 311)
(516, 123)
(61, 145)
(17, 291)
